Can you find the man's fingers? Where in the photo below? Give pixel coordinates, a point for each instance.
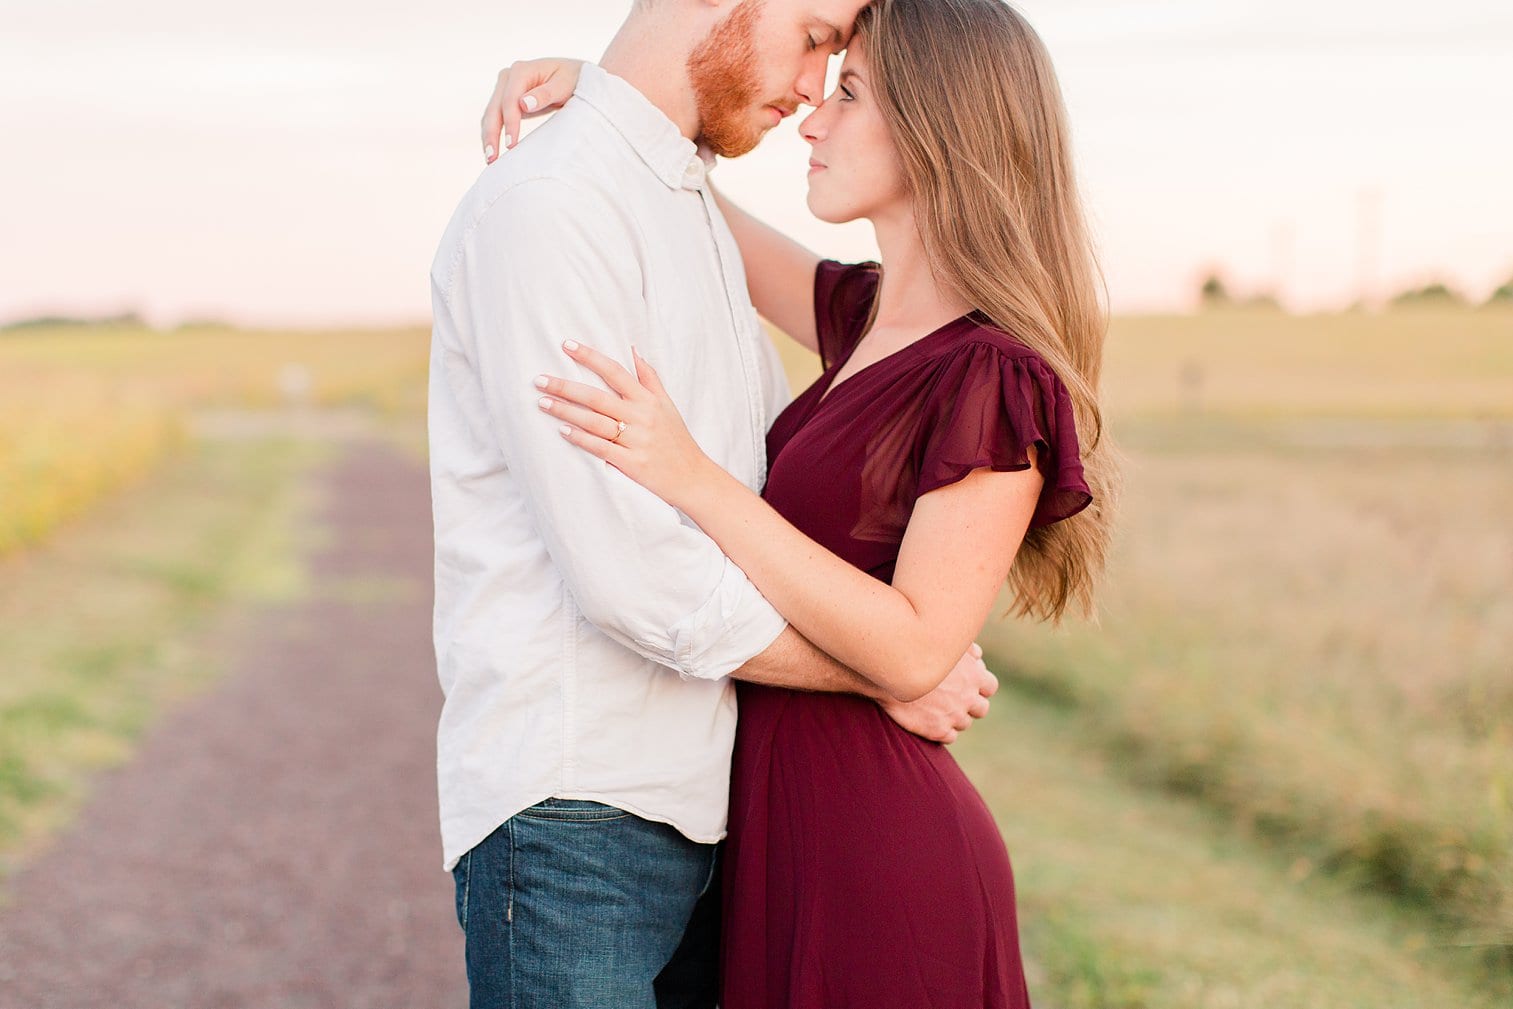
(979, 708)
(948, 737)
(989, 685)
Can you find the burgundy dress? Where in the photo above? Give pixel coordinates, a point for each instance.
(862, 869)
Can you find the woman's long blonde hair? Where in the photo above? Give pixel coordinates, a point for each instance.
(976, 115)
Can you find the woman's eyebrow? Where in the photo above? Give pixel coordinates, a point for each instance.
(849, 74)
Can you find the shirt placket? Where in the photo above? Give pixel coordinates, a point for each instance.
(735, 300)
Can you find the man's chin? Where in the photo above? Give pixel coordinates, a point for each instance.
(727, 146)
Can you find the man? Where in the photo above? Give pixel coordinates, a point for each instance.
(586, 633)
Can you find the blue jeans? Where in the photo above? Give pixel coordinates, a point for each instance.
(573, 904)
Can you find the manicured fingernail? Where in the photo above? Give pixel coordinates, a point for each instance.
(546, 403)
(488, 152)
(564, 430)
(509, 141)
(570, 344)
(540, 381)
(529, 101)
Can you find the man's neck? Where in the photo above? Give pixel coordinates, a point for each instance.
(640, 55)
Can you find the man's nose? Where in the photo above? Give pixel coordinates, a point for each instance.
(810, 86)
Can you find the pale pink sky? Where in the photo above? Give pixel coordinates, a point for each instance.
(295, 162)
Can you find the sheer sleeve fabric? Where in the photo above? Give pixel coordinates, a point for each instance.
(987, 406)
(843, 294)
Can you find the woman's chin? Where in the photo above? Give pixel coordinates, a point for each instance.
(825, 210)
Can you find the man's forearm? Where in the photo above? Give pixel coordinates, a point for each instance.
(792, 661)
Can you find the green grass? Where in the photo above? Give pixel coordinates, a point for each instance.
(113, 622)
(88, 410)
(1279, 772)
(1316, 645)
(1132, 899)
(1308, 624)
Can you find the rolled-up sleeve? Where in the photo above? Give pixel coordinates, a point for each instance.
(546, 262)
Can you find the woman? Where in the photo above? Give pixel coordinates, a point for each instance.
(952, 442)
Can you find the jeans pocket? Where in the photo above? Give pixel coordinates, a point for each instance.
(460, 880)
(573, 811)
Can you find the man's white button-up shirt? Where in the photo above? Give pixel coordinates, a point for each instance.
(584, 628)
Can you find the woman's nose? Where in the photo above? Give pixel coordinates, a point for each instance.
(812, 128)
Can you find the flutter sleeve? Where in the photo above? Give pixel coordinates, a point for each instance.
(843, 294)
(987, 407)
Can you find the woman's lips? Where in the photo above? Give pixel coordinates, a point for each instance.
(815, 166)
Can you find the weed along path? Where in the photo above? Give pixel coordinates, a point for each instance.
(273, 842)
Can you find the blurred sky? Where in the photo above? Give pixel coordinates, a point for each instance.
(295, 161)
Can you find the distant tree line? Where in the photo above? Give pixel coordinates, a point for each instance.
(1214, 293)
(43, 321)
(125, 320)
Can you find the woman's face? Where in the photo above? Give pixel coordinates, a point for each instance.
(853, 169)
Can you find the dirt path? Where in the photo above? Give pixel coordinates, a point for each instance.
(274, 843)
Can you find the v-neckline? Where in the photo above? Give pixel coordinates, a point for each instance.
(831, 385)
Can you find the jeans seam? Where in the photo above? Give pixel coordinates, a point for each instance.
(592, 817)
(509, 922)
(714, 860)
(467, 883)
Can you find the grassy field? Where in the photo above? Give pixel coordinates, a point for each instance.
(1277, 774)
(1410, 363)
(84, 411)
(1137, 899)
(107, 625)
(1308, 624)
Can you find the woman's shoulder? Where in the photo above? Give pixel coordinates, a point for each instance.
(843, 295)
(991, 398)
(979, 351)
(982, 370)
(979, 334)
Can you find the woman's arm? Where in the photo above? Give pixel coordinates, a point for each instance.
(522, 90)
(779, 272)
(905, 636)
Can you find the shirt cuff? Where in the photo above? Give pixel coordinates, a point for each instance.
(734, 625)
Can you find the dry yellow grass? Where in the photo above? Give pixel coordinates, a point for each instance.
(1321, 644)
(1309, 618)
(84, 411)
(1408, 363)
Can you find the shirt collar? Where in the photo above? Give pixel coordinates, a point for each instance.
(672, 157)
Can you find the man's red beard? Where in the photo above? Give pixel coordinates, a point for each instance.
(723, 72)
